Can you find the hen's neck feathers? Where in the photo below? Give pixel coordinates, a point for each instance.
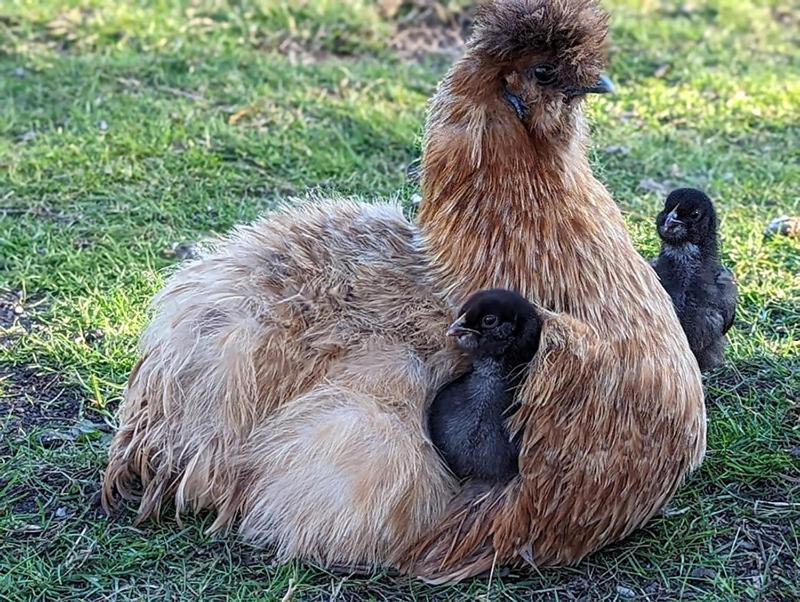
(505, 209)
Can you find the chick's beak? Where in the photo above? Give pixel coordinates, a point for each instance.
(672, 221)
(466, 338)
(672, 226)
(457, 328)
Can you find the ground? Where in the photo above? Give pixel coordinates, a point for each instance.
(129, 131)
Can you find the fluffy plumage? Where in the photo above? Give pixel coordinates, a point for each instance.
(285, 375)
(499, 330)
(276, 387)
(702, 290)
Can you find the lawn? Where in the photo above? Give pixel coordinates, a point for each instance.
(131, 130)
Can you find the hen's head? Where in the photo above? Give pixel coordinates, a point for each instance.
(542, 57)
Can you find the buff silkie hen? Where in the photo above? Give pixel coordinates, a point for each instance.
(285, 375)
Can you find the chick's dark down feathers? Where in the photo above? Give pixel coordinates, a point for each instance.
(499, 330)
(702, 290)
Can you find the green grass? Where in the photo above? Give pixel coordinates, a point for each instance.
(127, 127)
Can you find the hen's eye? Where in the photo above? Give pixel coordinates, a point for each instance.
(696, 214)
(489, 320)
(544, 74)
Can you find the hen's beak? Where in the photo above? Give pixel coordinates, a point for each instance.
(458, 329)
(515, 102)
(603, 86)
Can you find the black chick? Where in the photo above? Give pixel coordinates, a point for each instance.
(703, 292)
(500, 331)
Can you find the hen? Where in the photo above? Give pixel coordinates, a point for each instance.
(285, 375)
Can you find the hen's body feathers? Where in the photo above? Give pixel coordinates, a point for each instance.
(275, 387)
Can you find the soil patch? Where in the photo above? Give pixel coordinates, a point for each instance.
(758, 536)
(420, 29)
(428, 27)
(752, 377)
(17, 312)
(29, 399)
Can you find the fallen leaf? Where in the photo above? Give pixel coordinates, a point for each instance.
(625, 592)
(85, 430)
(703, 573)
(784, 226)
(241, 114)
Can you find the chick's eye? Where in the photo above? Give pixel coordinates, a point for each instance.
(544, 74)
(489, 321)
(695, 214)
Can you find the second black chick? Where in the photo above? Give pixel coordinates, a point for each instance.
(500, 330)
(702, 290)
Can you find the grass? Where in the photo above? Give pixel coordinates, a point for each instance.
(126, 128)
